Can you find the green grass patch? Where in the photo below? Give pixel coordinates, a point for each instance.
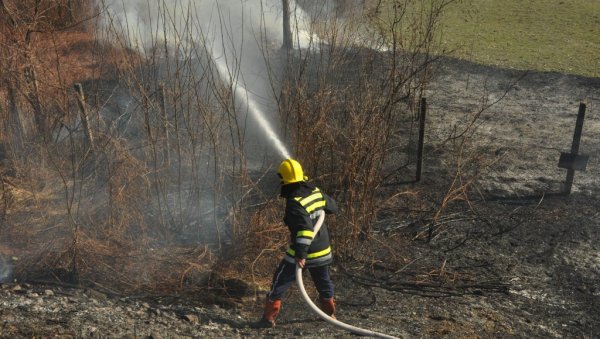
(542, 35)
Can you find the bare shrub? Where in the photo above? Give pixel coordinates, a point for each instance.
(467, 163)
(31, 56)
(351, 109)
(347, 104)
(175, 175)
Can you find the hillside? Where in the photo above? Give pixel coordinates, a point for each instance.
(148, 205)
(518, 261)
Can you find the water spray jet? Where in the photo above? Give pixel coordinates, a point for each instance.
(251, 105)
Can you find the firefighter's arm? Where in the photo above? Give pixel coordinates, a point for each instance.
(330, 206)
(301, 228)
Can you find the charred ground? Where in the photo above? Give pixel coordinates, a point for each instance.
(511, 259)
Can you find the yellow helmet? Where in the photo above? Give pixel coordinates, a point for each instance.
(290, 172)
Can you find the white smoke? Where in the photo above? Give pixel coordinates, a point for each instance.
(235, 33)
(5, 269)
(142, 20)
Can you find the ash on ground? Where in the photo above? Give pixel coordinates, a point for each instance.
(517, 260)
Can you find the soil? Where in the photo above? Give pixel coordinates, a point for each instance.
(517, 259)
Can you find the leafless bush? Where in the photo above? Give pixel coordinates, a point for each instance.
(467, 162)
(351, 109)
(31, 60)
(170, 169)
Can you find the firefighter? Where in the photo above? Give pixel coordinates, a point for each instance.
(308, 250)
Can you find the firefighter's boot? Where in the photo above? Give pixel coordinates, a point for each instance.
(269, 315)
(328, 306)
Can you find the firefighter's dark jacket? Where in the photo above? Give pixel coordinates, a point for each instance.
(303, 202)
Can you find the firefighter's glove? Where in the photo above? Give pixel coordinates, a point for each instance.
(301, 251)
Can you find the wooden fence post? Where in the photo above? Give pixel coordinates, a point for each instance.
(84, 115)
(422, 115)
(574, 161)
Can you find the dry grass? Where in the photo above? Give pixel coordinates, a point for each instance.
(170, 175)
(71, 214)
(543, 35)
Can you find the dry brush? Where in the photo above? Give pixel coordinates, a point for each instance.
(168, 182)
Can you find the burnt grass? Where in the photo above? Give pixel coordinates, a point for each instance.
(515, 259)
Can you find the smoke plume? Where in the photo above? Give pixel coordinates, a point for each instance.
(235, 34)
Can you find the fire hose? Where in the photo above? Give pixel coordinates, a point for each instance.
(315, 309)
